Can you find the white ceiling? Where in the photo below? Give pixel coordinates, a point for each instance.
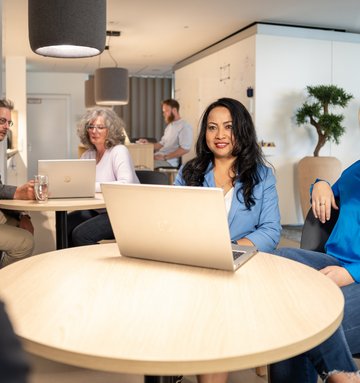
(156, 34)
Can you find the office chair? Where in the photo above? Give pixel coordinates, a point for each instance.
(172, 167)
(314, 233)
(170, 171)
(152, 177)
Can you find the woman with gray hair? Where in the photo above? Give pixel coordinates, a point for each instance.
(102, 132)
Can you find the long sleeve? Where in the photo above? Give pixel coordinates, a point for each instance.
(7, 191)
(115, 166)
(267, 231)
(344, 240)
(261, 223)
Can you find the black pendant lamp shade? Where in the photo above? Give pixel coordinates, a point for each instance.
(111, 86)
(67, 28)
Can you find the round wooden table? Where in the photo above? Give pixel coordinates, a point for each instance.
(90, 307)
(61, 206)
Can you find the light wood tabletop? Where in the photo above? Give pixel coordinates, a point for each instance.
(55, 204)
(90, 307)
(61, 206)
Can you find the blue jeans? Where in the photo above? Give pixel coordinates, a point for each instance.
(88, 227)
(335, 352)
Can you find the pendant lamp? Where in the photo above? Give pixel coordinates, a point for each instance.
(67, 28)
(90, 92)
(111, 86)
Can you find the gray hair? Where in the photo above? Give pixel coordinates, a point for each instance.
(116, 127)
(6, 103)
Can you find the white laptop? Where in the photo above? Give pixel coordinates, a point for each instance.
(186, 225)
(69, 178)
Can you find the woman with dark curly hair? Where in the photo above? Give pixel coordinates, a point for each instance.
(102, 131)
(228, 156)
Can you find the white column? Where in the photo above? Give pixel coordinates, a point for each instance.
(15, 90)
(3, 143)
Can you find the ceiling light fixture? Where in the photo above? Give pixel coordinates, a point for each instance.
(67, 28)
(111, 84)
(90, 92)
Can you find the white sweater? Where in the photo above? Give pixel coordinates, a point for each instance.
(115, 166)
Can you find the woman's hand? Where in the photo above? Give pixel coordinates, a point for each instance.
(338, 274)
(322, 200)
(244, 242)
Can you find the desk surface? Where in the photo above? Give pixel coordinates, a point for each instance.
(90, 307)
(56, 204)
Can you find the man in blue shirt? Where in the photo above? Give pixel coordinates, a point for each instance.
(177, 138)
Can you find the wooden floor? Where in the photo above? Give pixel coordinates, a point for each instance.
(45, 371)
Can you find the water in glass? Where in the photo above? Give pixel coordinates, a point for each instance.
(41, 188)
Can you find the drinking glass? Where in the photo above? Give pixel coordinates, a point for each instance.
(41, 188)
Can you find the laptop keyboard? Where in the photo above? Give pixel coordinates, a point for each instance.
(237, 254)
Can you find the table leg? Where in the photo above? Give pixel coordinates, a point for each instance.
(162, 379)
(61, 230)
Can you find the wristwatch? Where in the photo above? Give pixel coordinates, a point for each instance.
(24, 214)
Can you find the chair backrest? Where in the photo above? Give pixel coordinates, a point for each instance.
(315, 234)
(152, 177)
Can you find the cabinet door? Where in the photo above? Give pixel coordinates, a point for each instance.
(48, 130)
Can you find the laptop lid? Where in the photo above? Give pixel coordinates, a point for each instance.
(186, 225)
(72, 178)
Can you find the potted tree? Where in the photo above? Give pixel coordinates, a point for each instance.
(318, 111)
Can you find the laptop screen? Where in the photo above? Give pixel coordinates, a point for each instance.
(73, 178)
(186, 225)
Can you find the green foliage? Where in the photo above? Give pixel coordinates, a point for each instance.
(316, 112)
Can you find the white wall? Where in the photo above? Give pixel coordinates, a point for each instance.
(15, 85)
(279, 62)
(346, 64)
(203, 81)
(69, 84)
(284, 67)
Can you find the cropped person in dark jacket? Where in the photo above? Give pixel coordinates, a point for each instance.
(13, 365)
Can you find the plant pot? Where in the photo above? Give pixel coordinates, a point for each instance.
(310, 168)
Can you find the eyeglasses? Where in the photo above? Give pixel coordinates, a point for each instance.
(3, 121)
(93, 127)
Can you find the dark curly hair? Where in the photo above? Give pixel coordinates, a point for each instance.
(247, 152)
